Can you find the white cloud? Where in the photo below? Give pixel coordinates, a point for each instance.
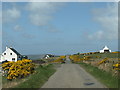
(108, 19)
(11, 14)
(41, 13)
(52, 29)
(17, 28)
(39, 20)
(97, 35)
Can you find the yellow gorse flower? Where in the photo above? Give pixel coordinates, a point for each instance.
(19, 69)
(75, 58)
(59, 60)
(102, 61)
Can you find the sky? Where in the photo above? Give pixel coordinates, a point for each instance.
(59, 27)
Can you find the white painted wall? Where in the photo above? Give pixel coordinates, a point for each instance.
(8, 57)
(101, 51)
(105, 48)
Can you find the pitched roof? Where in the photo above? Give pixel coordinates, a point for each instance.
(106, 48)
(15, 51)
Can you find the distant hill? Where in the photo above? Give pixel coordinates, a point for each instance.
(35, 57)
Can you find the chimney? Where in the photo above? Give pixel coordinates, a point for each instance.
(6, 47)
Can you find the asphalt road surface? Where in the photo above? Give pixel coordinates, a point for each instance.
(72, 76)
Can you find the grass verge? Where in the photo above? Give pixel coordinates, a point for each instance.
(104, 77)
(39, 78)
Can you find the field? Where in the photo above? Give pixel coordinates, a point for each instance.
(98, 60)
(105, 77)
(43, 70)
(103, 55)
(100, 65)
(41, 76)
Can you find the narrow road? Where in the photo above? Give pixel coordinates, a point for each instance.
(68, 60)
(72, 76)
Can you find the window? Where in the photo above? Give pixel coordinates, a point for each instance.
(10, 53)
(4, 53)
(13, 59)
(106, 51)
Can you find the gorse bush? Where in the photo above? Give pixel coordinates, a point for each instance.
(75, 58)
(61, 59)
(102, 61)
(116, 66)
(87, 57)
(19, 69)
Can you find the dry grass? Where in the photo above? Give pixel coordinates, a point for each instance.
(9, 84)
(107, 66)
(104, 77)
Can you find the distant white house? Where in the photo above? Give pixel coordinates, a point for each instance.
(10, 54)
(105, 50)
(48, 56)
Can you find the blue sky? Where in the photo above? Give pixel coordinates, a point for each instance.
(59, 28)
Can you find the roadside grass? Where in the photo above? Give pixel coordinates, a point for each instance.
(37, 79)
(104, 77)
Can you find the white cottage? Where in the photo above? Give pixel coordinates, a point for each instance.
(105, 50)
(48, 56)
(10, 54)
